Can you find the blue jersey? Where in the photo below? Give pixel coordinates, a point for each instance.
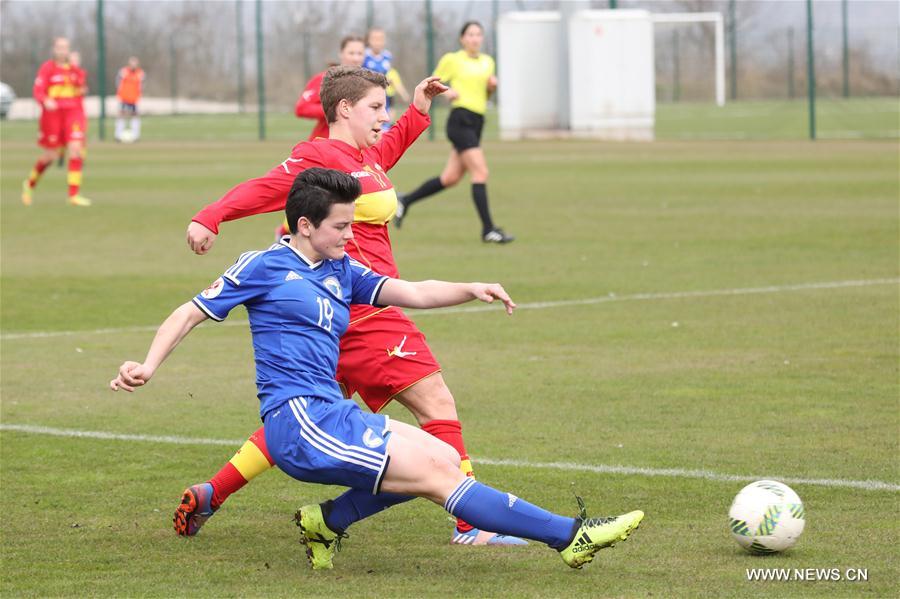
(380, 63)
(298, 311)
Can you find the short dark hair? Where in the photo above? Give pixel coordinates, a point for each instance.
(315, 191)
(347, 83)
(468, 24)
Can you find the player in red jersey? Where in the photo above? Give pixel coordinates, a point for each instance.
(383, 355)
(309, 104)
(58, 88)
(81, 83)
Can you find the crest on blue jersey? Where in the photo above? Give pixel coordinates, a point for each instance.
(333, 285)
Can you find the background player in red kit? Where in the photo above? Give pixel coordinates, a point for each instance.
(81, 82)
(383, 356)
(58, 88)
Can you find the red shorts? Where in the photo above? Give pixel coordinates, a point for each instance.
(381, 356)
(59, 127)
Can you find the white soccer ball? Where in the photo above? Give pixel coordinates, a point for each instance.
(766, 517)
(126, 137)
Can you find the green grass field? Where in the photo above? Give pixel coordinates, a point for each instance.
(599, 368)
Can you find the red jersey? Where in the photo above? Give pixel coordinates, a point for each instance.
(309, 106)
(375, 207)
(81, 82)
(62, 83)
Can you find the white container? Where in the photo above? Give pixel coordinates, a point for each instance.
(531, 86)
(611, 74)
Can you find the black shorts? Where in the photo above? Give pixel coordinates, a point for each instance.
(464, 129)
(126, 108)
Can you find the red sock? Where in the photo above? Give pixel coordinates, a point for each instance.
(450, 432)
(251, 460)
(39, 167)
(74, 178)
(225, 482)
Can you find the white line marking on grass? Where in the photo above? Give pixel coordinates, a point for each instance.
(675, 295)
(68, 432)
(612, 297)
(866, 485)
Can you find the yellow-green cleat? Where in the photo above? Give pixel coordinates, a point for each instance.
(79, 200)
(321, 542)
(26, 193)
(595, 534)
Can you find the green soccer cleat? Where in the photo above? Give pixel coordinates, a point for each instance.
(321, 542)
(26, 193)
(79, 200)
(595, 534)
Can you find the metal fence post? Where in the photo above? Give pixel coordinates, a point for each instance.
(260, 75)
(811, 69)
(101, 70)
(846, 53)
(676, 66)
(429, 45)
(790, 62)
(732, 46)
(239, 12)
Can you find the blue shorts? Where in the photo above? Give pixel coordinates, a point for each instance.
(328, 442)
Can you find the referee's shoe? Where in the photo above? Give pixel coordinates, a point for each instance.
(497, 235)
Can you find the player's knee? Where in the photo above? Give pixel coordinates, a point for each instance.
(480, 175)
(452, 456)
(445, 465)
(438, 405)
(449, 179)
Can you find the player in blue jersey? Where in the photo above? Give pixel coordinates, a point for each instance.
(379, 59)
(298, 294)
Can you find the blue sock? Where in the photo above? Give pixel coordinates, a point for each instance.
(489, 509)
(356, 504)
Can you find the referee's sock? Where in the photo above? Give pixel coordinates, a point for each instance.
(504, 513)
(356, 504)
(479, 196)
(430, 187)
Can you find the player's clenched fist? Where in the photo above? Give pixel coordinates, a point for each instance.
(199, 238)
(131, 375)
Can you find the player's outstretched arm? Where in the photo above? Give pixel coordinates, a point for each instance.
(256, 196)
(408, 128)
(439, 294)
(427, 90)
(170, 333)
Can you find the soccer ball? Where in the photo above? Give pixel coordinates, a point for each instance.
(126, 137)
(766, 517)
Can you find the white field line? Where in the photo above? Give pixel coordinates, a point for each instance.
(866, 485)
(612, 297)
